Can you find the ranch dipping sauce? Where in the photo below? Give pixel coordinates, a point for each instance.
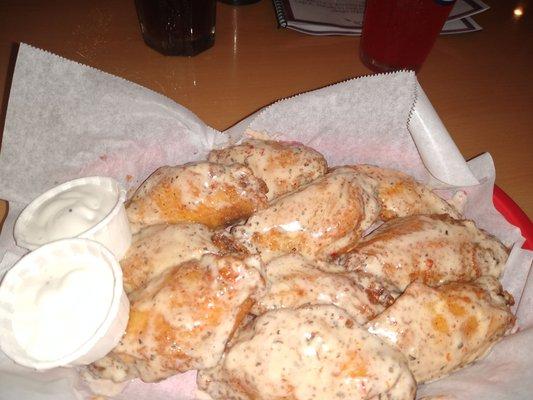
(70, 213)
(91, 207)
(63, 304)
(56, 310)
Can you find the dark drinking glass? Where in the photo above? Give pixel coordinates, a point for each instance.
(399, 34)
(239, 2)
(177, 27)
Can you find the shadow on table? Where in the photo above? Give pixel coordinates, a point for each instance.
(4, 206)
(7, 88)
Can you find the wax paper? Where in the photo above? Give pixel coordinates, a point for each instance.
(65, 120)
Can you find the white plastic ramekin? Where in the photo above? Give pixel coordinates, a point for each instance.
(111, 325)
(113, 231)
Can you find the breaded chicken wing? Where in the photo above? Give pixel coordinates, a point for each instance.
(442, 329)
(400, 195)
(160, 247)
(310, 353)
(317, 220)
(211, 194)
(434, 249)
(284, 166)
(292, 281)
(183, 319)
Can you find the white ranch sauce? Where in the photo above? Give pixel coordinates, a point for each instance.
(70, 213)
(61, 305)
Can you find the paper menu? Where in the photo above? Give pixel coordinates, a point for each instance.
(466, 8)
(345, 17)
(94, 123)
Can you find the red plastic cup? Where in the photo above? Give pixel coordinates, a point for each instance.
(399, 34)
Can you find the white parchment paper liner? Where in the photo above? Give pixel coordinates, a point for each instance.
(66, 120)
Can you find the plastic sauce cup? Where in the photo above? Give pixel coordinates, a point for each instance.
(112, 229)
(67, 295)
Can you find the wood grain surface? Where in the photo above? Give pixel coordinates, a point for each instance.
(480, 83)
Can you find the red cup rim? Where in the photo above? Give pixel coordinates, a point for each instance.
(514, 215)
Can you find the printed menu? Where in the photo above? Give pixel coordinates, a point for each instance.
(345, 17)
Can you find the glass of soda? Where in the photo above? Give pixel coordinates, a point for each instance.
(399, 34)
(177, 27)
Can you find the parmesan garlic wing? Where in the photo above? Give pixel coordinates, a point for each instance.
(315, 352)
(212, 194)
(183, 319)
(305, 341)
(292, 281)
(159, 247)
(283, 166)
(434, 249)
(318, 220)
(400, 195)
(442, 329)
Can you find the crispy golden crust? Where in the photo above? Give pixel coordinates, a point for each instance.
(183, 319)
(292, 281)
(442, 329)
(400, 195)
(313, 352)
(211, 194)
(317, 220)
(434, 249)
(160, 247)
(283, 166)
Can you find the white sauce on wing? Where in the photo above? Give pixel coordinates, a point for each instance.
(432, 248)
(157, 248)
(293, 281)
(317, 220)
(283, 166)
(444, 328)
(313, 352)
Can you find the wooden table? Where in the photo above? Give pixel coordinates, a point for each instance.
(481, 83)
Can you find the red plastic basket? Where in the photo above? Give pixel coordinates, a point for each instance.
(514, 214)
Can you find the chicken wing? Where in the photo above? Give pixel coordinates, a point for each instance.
(160, 247)
(432, 248)
(292, 281)
(211, 194)
(315, 352)
(284, 166)
(317, 220)
(442, 329)
(183, 319)
(400, 195)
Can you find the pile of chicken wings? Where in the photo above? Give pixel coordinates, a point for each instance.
(279, 277)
